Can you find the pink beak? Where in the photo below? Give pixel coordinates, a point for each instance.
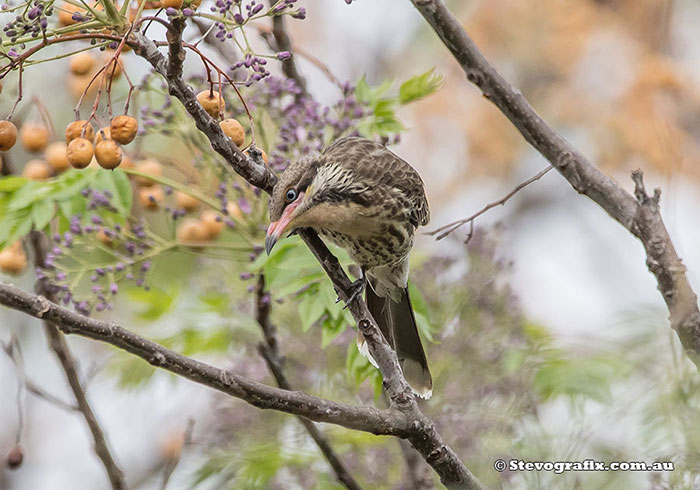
(277, 228)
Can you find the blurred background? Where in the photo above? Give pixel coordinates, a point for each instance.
(549, 338)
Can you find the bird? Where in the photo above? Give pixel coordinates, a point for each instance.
(364, 198)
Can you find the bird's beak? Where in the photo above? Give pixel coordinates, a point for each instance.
(277, 228)
(270, 242)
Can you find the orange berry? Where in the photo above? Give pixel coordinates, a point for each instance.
(36, 170)
(113, 71)
(56, 156)
(186, 201)
(80, 152)
(81, 63)
(211, 102)
(34, 137)
(213, 222)
(151, 197)
(13, 260)
(8, 135)
(65, 14)
(234, 211)
(108, 154)
(103, 134)
(75, 130)
(124, 129)
(103, 238)
(192, 230)
(148, 166)
(234, 130)
(176, 4)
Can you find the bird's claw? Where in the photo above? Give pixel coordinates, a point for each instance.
(356, 289)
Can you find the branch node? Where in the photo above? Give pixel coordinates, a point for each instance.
(639, 191)
(42, 306)
(158, 359)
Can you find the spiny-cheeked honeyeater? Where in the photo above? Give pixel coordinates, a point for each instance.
(364, 198)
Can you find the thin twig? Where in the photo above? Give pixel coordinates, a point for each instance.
(269, 350)
(12, 351)
(447, 229)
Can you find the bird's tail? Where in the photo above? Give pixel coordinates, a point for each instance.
(398, 324)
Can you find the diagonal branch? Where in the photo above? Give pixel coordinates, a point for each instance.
(639, 213)
(269, 350)
(58, 345)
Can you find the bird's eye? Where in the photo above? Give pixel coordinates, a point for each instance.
(291, 195)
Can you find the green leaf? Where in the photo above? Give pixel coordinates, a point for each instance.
(42, 213)
(370, 95)
(422, 313)
(331, 328)
(362, 90)
(132, 371)
(14, 227)
(28, 194)
(311, 308)
(12, 183)
(157, 302)
(117, 184)
(420, 86)
(589, 377)
(358, 367)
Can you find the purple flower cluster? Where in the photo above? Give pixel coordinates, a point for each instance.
(89, 260)
(32, 22)
(256, 67)
(284, 6)
(156, 120)
(304, 125)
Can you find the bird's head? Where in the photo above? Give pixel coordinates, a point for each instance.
(291, 199)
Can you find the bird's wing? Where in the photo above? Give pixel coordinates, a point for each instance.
(377, 166)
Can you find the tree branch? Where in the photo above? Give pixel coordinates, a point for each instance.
(58, 345)
(368, 419)
(284, 43)
(639, 214)
(269, 350)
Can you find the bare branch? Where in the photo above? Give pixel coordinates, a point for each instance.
(447, 229)
(368, 419)
(284, 43)
(58, 345)
(269, 350)
(640, 215)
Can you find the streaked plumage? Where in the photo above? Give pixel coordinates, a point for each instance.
(364, 198)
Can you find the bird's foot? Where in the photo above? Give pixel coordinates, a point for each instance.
(356, 290)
